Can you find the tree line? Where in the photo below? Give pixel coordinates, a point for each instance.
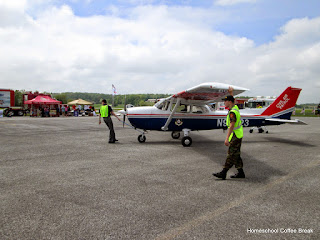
(134, 99)
(119, 100)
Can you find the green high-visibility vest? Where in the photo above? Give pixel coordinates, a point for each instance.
(104, 111)
(238, 129)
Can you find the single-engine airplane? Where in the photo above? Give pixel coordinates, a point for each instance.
(192, 110)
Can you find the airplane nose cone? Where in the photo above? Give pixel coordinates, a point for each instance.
(123, 112)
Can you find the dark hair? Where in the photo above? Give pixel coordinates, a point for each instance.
(104, 101)
(228, 98)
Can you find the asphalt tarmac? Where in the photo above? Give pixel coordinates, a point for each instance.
(60, 179)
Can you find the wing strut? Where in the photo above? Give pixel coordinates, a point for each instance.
(165, 127)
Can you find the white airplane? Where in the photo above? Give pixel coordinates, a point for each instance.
(190, 110)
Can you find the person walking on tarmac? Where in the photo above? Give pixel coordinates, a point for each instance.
(233, 140)
(105, 113)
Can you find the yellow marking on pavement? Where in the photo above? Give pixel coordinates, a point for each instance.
(171, 234)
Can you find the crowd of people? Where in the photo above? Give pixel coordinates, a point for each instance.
(62, 110)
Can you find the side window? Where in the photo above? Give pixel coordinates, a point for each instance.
(199, 109)
(212, 107)
(183, 108)
(196, 109)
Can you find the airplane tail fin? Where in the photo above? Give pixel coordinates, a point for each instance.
(284, 105)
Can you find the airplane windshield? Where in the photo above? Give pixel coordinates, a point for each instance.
(162, 104)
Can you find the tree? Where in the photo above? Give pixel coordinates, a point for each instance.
(61, 97)
(18, 95)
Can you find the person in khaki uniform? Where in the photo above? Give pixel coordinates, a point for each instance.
(105, 113)
(233, 140)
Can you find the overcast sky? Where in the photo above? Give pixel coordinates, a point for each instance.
(160, 46)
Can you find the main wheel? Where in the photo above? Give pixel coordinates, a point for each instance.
(251, 131)
(175, 135)
(186, 141)
(10, 113)
(141, 138)
(20, 113)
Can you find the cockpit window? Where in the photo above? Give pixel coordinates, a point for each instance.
(197, 109)
(162, 105)
(183, 108)
(186, 108)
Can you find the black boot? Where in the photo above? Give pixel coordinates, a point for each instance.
(240, 174)
(221, 174)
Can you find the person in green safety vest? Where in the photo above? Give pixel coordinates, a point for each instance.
(233, 140)
(105, 113)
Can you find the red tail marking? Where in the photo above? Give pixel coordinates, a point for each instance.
(285, 101)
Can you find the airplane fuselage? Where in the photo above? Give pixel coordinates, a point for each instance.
(152, 118)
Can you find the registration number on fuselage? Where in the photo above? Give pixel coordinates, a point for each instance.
(222, 122)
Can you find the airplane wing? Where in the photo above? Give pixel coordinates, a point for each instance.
(207, 93)
(295, 121)
(204, 93)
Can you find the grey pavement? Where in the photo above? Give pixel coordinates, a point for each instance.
(60, 179)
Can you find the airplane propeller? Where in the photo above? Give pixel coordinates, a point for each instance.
(125, 110)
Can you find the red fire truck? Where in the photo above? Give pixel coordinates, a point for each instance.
(7, 102)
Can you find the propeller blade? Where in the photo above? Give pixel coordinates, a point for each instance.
(125, 110)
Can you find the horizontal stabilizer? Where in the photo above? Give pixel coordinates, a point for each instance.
(295, 121)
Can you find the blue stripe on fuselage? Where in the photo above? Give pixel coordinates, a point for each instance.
(152, 122)
(192, 123)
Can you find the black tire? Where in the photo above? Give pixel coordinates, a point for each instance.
(186, 141)
(141, 138)
(251, 131)
(10, 113)
(20, 113)
(261, 130)
(175, 135)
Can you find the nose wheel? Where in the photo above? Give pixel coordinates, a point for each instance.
(141, 138)
(175, 135)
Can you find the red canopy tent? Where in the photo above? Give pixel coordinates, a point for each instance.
(42, 100)
(50, 106)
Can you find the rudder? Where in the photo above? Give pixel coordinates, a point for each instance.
(283, 106)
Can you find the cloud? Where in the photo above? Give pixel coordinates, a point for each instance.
(232, 2)
(13, 4)
(155, 49)
(292, 59)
